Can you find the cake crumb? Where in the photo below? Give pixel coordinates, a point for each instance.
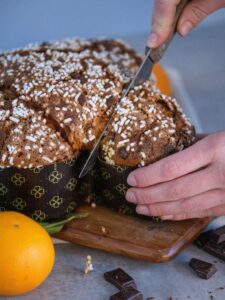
(89, 266)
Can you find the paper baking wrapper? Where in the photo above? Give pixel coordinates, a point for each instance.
(52, 192)
(88, 185)
(45, 193)
(111, 187)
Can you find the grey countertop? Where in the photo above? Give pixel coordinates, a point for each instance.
(200, 59)
(173, 279)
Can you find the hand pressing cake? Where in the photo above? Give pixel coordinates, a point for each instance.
(55, 99)
(146, 127)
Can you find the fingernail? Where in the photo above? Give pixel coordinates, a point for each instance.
(169, 217)
(131, 180)
(185, 28)
(152, 40)
(130, 196)
(142, 210)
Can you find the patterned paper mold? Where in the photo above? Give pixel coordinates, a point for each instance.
(45, 193)
(111, 186)
(86, 186)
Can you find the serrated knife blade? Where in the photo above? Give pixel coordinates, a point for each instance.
(152, 56)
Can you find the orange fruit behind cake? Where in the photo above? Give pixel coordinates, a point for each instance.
(26, 254)
(162, 79)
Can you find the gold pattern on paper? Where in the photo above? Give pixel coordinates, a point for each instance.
(56, 201)
(19, 203)
(107, 194)
(39, 215)
(71, 184)
(3, 189)
(121, 188)
(71, 207)
(37, 191)
(18, 179)
(55, 177)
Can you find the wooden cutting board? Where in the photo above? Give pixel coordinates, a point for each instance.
(139, 238)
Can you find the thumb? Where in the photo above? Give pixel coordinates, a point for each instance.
(162, 21)
(195, 12)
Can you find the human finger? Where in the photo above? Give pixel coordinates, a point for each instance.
(190, 205)
(194, 12)
(162, 21)
(176, 165)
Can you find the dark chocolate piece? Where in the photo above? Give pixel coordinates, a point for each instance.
(128, 293)
(120, 279)
(110, 101)
(78, 76)
(107, 85)
(123, 153)
(217, 250)
(218, 235)
(82, 99)
(75, 75)
(203, 238)
(202, 268)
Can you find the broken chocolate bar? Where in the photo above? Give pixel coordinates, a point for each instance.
(203, 238)
(215, 249)
(128, 293)
(120, 279)
(202, 268)
(218, 235)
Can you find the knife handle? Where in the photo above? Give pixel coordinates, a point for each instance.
(157, 53)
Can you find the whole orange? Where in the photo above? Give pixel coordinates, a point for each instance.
(26, 254)
(162, 79)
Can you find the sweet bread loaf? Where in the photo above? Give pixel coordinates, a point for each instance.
(147, 126)
(28, 140)
(56, 97)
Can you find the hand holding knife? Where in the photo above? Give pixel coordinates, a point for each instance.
(152, 56)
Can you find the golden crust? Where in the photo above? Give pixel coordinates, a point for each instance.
(70, 86)
(146, 126)
(55, 98)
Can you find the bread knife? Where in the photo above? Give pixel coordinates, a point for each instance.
(152, 56)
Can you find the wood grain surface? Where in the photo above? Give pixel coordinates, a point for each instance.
(132, 236)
